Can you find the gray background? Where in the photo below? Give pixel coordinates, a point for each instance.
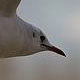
(60, 21)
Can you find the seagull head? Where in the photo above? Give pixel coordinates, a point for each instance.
(41, 42)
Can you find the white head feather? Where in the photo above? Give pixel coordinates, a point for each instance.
(19, 38)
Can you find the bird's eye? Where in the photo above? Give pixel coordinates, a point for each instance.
(42, 38)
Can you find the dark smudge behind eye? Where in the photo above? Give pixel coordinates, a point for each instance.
(34, 35)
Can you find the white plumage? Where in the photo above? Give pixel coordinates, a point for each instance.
(19, 38)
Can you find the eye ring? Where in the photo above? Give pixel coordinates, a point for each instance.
(42, 38)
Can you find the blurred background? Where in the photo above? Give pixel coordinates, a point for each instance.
(60, 21)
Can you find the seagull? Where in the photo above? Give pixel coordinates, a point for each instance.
(19, 38)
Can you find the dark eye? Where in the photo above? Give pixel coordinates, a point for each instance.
(42, 38)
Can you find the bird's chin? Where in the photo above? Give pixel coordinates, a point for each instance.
(54, 49)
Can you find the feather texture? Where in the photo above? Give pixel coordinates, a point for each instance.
(8, 7)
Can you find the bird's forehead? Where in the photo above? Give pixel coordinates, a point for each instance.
(36, 30)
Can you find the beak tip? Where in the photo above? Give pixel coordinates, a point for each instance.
(62, 53)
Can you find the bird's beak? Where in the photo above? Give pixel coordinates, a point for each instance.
(54, 49)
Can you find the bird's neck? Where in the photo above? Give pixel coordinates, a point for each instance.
(8, 7)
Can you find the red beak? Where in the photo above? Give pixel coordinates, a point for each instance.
(54, 49)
